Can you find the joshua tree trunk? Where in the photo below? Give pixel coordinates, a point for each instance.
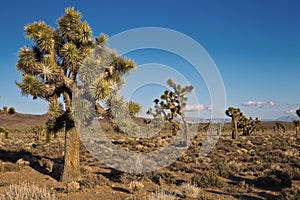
(185, 128)
(235, 130)
(297, 130)
(71, 169)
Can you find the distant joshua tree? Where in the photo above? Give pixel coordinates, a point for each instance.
(297, 123)
(235, 114)
(298, 112)
(172, 104)
(279, 126)
(297, 126)
(241, 123)
(50, 69)
(5, 110)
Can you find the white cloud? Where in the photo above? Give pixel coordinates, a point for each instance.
(291, 111)
(197, 107)
(258, 103)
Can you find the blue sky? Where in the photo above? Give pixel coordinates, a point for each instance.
(254, 43)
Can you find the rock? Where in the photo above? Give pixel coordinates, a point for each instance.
(23, 162)
(249, 143)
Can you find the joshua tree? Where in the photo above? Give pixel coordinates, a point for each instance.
(5, 110)
(172, 104)
(298, 112)
(50, 69)
(236, 115)
(297, 126)
(11, 110)
(134, 108)
(297, 122)
(279, 126)
(249, 126)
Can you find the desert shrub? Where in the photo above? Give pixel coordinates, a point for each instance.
(126, 178)
(290, 194)
(221, 167)
(127, 126)
(93, 181)
(161, 195)
(11, 110)
(164, 177)
(10, 167)
(293, 172)
(207, 179)
(27, 191)
(275, 179)
(135, 186)
(189, 190)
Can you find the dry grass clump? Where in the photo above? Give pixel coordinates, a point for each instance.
(190, 191)
(135, 186)
(27, 191)
(161, 195)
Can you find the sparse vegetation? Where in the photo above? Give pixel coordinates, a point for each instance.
(27, 191)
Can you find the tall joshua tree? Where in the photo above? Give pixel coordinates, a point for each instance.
(235, 114)
(50, 69)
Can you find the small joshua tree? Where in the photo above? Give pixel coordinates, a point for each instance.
(297, 126)
(172, 104)
(5, 110)
(279, 126)
(235, 114)
(297, 122)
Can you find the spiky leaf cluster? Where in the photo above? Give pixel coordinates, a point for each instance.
(50, 67)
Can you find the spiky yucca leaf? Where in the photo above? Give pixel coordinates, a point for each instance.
(100, 89)
(55, 109)
(90, 71)
(41, 34)
(85, 33)
(83, 111)
(70, 54)
(27, 61)
(31, 85)
(69, 24)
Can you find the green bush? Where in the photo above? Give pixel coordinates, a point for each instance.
(274, 179)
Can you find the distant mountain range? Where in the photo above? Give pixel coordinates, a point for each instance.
(288, 118)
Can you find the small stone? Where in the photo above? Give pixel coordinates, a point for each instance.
(23, 162)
